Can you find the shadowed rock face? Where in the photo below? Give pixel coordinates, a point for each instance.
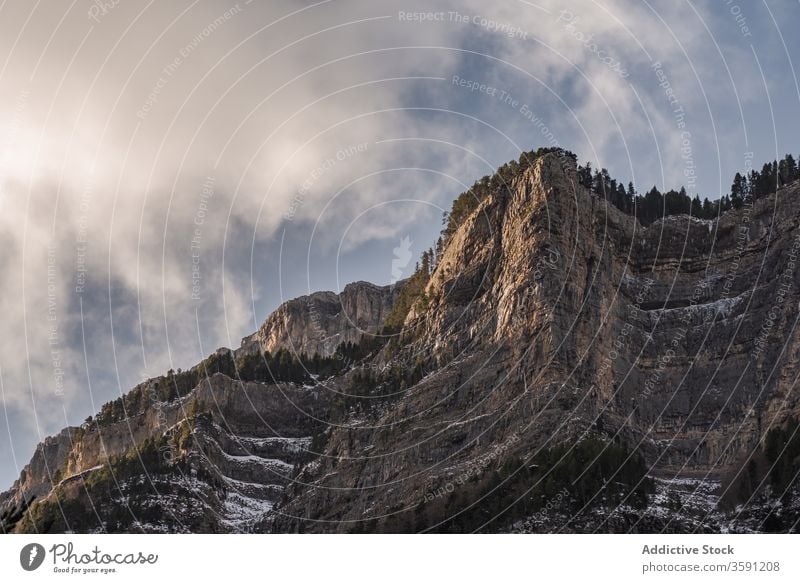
(550, 316)
(228, 464)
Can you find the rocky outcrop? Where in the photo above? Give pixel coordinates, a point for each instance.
(44, 469)
(318, 323)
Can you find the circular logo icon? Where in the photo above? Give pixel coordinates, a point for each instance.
(31, 556)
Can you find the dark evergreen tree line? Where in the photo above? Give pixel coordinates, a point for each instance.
(654, 205)
(368, 388)
(561, 480)
(775, 469)
(413, 289)
(647, 207)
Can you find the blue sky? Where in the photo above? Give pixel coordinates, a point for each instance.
(326, 133)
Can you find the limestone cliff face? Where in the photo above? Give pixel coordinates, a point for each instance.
(35, 478)
(550, 317)
(686, 326)
(318, 323)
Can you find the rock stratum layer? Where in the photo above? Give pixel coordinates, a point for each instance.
(562, 369)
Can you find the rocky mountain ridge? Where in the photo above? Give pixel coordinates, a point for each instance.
(563, 369)
(319, 322)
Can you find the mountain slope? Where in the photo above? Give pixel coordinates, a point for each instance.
(563, 369)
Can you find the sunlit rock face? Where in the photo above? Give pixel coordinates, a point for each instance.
(318, 323)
